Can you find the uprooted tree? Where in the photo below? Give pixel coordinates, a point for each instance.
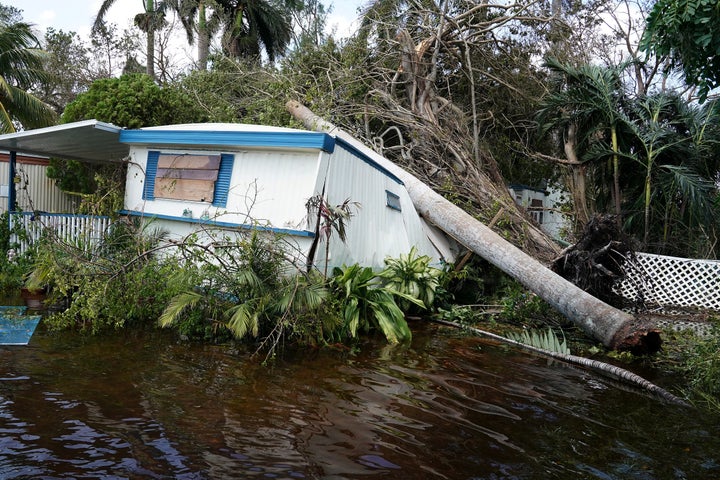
(614, 328)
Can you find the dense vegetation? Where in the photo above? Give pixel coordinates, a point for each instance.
(469, 97)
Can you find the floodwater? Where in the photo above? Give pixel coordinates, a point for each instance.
(448, 406)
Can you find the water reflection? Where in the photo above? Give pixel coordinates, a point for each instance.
(142, 406)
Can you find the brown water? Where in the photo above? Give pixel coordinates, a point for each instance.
(448, 406)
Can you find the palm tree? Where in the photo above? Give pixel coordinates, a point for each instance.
(588, 104)
(151, 20)
(197, 17)
(671, 145)
(20, 68)
(251, 26)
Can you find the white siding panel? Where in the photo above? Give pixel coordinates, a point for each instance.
(35, 190)
(376, 231)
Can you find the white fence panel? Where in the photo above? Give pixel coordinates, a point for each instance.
(678, 282)
(81, 231)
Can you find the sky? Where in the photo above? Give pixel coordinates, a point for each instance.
(78, 15)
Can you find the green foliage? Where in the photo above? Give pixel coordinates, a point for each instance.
(546, 340)
(133, 101)
(14, 267)
(697, 358)
(687, 31)
(412, 275)
(117, 284)
(521, 306)
(243, 288)
(366, 304)
(20, 68)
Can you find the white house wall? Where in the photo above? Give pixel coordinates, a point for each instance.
(269, 188)
(376, 231)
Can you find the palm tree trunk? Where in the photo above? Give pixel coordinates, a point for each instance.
(577, 184)
(203, 38)
(150, 45)
(614, 328)
(616, 172)
(648, 196)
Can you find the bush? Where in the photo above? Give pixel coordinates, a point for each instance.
(119, 283)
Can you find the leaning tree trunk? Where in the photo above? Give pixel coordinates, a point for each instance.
(614, 328)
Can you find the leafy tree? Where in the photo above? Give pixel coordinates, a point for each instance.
(131, 101)
(21, 67)
(114, 52)
(67, 65)
(688, 31)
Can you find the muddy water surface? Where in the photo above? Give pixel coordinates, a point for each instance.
(446, 407)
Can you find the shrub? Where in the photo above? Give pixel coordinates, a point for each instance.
(119, 283)
(412, 275)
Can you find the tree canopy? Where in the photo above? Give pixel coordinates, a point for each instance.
(688, 31)
(21, 66)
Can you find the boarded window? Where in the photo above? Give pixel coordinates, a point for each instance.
(186, 177)
(190, 177)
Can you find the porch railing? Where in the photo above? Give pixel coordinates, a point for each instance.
(82, 231)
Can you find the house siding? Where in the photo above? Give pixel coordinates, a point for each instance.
(35, 191)
(376, 230)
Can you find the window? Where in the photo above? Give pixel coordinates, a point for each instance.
(393, 201)
(190, 177)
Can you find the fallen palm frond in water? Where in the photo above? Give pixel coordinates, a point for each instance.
(547, 340)
(598, 366)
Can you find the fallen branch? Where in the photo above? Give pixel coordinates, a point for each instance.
(603, 368)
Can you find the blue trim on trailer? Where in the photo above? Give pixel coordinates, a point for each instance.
(214, 223)
(362, 156)
(222, 184)
(204, 138)
(150, 173)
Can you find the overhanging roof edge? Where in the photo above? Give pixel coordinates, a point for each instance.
(86, 140)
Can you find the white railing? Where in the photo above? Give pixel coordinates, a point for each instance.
(676, 282)
(82, 231)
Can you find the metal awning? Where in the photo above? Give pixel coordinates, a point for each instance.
(85, 141)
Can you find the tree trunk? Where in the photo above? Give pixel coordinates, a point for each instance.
(614, 328)
(150, 44)
(203, 38)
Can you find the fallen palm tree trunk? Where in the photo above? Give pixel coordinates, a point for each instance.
(614, 328)
(603, 368)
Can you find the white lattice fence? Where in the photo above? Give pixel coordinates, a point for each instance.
(677, 282)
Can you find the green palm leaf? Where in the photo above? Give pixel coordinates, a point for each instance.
(177, 305)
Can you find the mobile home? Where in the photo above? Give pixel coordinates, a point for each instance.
(188, 178)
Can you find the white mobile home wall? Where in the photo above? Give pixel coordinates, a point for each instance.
(376, 230)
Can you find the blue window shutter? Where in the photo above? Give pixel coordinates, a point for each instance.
(222, 184)
(150, 172)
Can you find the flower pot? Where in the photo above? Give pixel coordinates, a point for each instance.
(34, 299)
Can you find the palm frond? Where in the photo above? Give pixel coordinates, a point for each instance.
(244, 319)
(177, 305)
(545, 340)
